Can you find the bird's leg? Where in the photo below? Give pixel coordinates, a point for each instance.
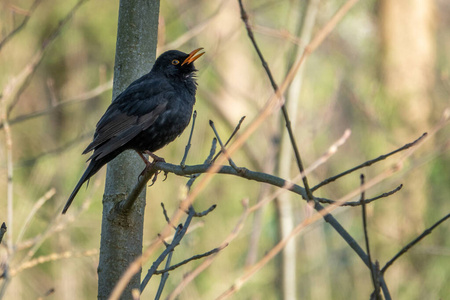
(156, 159)
(146, 162)
(148, 165)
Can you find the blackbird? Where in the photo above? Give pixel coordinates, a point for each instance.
(148, 115)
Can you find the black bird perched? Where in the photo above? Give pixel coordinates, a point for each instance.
(148, 115)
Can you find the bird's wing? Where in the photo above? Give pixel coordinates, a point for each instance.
(120, 128)
(132, 112)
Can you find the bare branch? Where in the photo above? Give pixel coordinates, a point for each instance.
(164, 276)
(373, 273)
(208, 161)
(358, 203)
(165, 214)
(124, 206)
(412, 243)
(368, 163)
(3, 229)
(195, 257)
(236, 129)
(52, 257)
(206, 211)
(188, 145)
(223, 150)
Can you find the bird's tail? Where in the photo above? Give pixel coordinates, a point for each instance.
(93, 167)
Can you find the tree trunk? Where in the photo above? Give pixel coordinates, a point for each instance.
(408, 44)
(121, 239)
(408, 56)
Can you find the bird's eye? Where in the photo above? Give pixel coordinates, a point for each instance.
(175, 62)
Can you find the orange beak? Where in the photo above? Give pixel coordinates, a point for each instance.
(192, 57)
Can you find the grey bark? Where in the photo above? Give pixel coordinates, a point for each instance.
(121, 239)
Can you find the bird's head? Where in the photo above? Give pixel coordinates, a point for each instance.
(174, 63)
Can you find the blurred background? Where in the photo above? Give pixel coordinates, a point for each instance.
(383, 73)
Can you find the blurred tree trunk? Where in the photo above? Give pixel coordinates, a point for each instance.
(121, 239)
(408, 58)
(408, 44)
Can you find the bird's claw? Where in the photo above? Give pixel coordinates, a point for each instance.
(149, 165)
(155, 177)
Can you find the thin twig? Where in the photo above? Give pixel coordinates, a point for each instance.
(164, 277)
(195, 257)
(368, 163)
(358, 203)
(208, 160)
(52, 257)
(218, 113)
(9, 171)
(205, 212)
(236, 129)
(376, 293)
(374, 276)
(188, 145)
(412, 243)
(3, 229)
(223, 150)
(165, 214)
